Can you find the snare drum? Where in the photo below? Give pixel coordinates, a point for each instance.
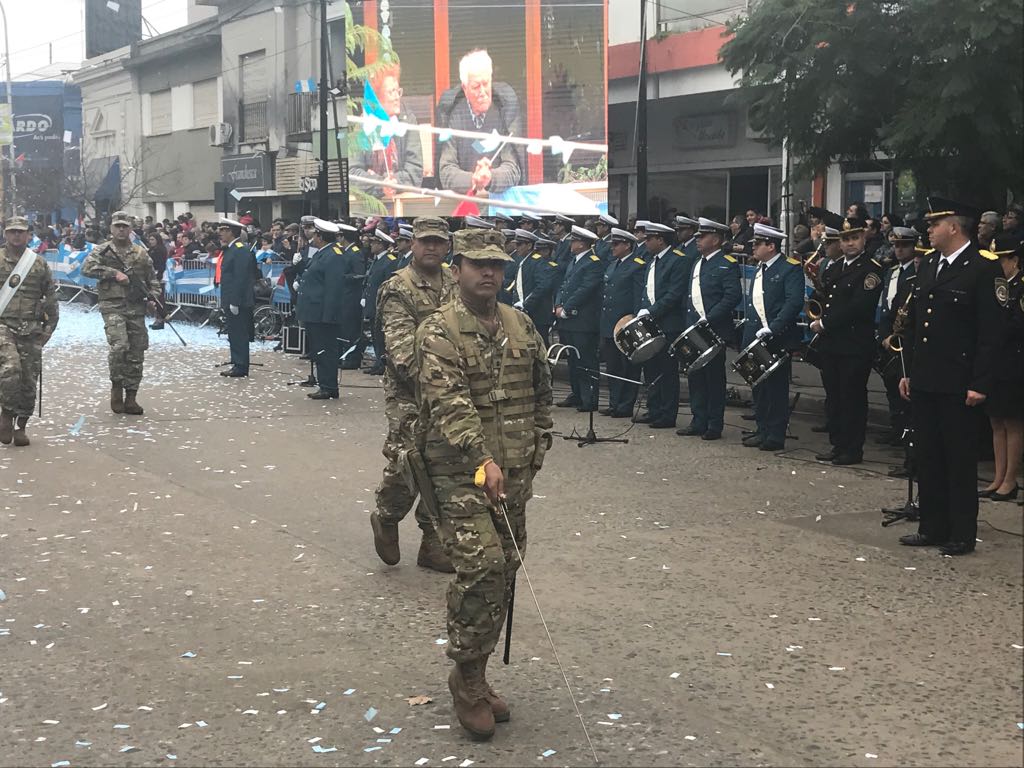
(757, 362)
(695, 346)
(639, 338)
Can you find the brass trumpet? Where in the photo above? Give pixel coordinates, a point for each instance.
(814, 307)
(899, 326)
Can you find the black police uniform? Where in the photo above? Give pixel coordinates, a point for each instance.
(668, 308)
(623, 291)
(953, 346)
(899, 282)
(580, 298)
(238, 275)
(320, 310)
(538, 276)
(847, 345)
(351, 317)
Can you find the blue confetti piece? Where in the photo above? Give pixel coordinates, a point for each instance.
(370, 714)
(83, 743)
(349, 692)
(395, 731)
(60, 764)
(188, 655)
(77, 427)
(1021, 726)
(319, 707)
(547, 753)
(128, 749)
(169, 756)
(323, 750)
(372, 749)
(121, 726)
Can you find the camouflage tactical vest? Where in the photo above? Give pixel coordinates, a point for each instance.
(501, 387)
(27, 311)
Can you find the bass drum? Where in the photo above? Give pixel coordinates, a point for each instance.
(757, 362)
(639, 338)
(695, 346)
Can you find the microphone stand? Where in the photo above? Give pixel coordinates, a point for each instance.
(908, 511)
(591, 437)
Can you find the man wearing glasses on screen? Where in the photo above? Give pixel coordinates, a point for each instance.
(401, 160)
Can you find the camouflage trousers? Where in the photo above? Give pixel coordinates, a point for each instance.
(20, 358)
(394, 500)
(128, 340)
(476, 538)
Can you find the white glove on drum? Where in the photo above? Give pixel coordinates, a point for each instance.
(643, 312)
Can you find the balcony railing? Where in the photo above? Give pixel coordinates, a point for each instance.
(252, 123)
(299, 113)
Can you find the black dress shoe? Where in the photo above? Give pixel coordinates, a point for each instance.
(662, 425)
(234, 373)
(643, 418)
(819, 428)
(1010, 496)
(569, 402)
(768, 445)
(846, 459)
(828, 455)
(606, 411)
(322, 394)
(690, 431)
(917, 540)
(749, 433)
(711, 436)
(753, 440)
(956, 548)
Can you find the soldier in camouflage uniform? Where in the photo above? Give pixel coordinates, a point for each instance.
(403, 302)
(482, 431)
(26, 324)
(126, 281)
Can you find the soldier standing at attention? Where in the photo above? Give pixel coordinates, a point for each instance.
(319, 307)
(28, 316)
(126, 280)
(483, 429)
(238, 275)
(403, 302)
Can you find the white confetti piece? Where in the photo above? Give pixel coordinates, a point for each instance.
(370, 714)
(770, 686)
(871, 755)
(323, 750)
(51, 722)
(441, 727)
(690, 738)
(721, 653)
(615, 716)
(1017, 646)
(465, 763)
(422, 761)
(101, 706)
(128, 749)
(251, 712)
(837, 669)
(674, 675)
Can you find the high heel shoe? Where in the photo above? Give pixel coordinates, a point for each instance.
(1010, 496)
(986, 493)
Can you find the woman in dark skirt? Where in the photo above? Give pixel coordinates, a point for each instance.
(1005, 404)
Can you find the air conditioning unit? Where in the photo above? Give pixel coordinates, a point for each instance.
(220, 134)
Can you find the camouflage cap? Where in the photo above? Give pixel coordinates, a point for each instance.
(430, 226)
(120, 217)
(17, 222)
(481, 245)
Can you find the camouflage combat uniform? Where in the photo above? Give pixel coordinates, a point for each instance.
(25, 326)
(405, 301)
(481, 397)
(123, 306)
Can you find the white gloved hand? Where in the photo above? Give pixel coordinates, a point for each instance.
(233, 309)
(562, 313)
(518, 305)
(295, 286)
(643, 312)
(762, 332)
(362, 302)
(296, 259)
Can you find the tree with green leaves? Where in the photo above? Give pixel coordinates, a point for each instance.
(933, 84)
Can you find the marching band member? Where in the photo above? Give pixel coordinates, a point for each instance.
(578, 315)
(776, 298)
(623, 289)
(899, 282)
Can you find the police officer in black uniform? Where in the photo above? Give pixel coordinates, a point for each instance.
(623, 291)
(354, 270)
(532, 283)
(953, 341)
(320, 307)
(899, 281)
(238, 275)
(578, 317)
(603, 227)
(846, 331)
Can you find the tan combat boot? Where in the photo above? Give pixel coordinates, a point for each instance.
(6, 426)
(385, 540)
(431, 554)
(130, 406)
(116, 398)
(20, 438)
(469, 693)
(499, 707)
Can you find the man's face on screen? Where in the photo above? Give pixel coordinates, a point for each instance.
(478, 91)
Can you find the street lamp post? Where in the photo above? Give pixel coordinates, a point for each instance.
(8, 152)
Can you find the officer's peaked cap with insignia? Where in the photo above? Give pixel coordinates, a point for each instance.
(1007, 244)
(17, 222)
(707, 226)
(510, 234)
(327, 227)
(654, 228)
(531, 216)
(686, 221)
(476, 221)
(852, 225)
(564, 219)
(383, 236)
(404, 232)
(525, 235)
(224, 221)
(904, 235)
(763, 231)
(430, 226)
(343, 227)
(504, 217)
(481, 245)
(622, 236)
(611, 221)
(831, 233)
(940, 208)
(584, 234)
(543, 242)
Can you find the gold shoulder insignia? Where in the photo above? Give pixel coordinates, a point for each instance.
(729, 258)
(337, 250)
(594, 257)
(988, 255)
(446, 265)
(794, 262)
(392, 257)
(677, 252)
(876, 263)
(553, 263)
(640, 261)
(536, 256)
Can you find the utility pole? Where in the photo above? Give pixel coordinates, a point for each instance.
(640, 132)
(321, 179)
(9, 204)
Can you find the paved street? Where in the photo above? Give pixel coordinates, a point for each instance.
(198, 587)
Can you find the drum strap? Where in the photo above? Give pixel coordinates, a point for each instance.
(757, 295)
(650, 279)
(695, 295)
